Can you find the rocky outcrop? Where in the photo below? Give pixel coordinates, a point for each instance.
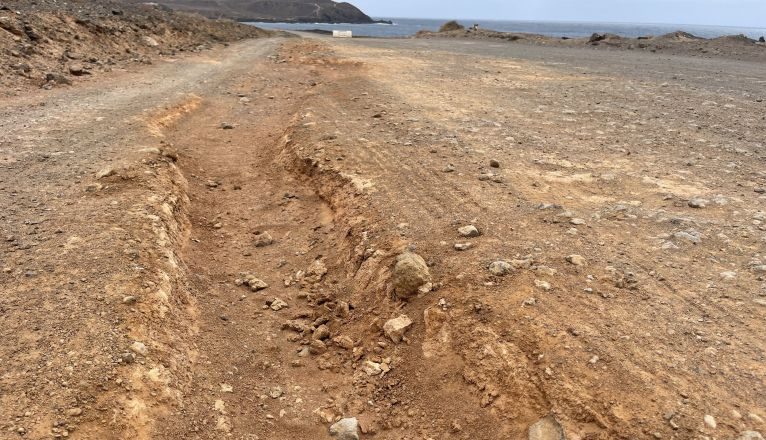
(291, 11)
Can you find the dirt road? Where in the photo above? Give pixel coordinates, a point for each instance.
(616, 289)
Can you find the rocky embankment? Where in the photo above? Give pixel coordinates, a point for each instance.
(737, 47)
(49, 43)
(289, 11)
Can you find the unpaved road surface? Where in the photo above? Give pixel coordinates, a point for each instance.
(619, 199)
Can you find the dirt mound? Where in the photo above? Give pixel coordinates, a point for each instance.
(451, 26)
(679, 36)
(741, 39)
(47, 43)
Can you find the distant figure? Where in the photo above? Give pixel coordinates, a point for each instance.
(475, 27)
(762, 40)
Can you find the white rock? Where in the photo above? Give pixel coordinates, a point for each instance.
(371, 368)
(395, 328)
(149, 41)
(469, 231)
(345, 429)
(710, 421)
(577, 260)
(139, 348)
(697, 202)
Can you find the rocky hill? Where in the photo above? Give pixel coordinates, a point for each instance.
(50, 42)
(291, 11)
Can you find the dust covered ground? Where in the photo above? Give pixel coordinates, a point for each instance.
(213, 248)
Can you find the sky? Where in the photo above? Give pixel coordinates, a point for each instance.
(747, 13)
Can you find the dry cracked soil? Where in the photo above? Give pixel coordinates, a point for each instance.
(215, 246)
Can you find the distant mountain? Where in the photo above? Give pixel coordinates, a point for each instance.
(291, 11)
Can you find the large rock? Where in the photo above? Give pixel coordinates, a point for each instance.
(345, 429)
(395, 328)
(547, 428)
(411, 275)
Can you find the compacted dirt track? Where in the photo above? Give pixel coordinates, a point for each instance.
(204, 248)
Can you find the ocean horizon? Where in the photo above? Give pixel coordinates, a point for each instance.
(405, 27)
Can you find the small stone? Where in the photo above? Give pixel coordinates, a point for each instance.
(697, 202)
(227, 126)
(77, 69)
(74, 412)
(128, 357)
(276, 392)
(317, 347)
(690, 235)
(139, 348)
(469, 231)
(530, 301)
(547, 428)
(577, 260)
(449, 168)
(345, 429)
(462, 246)
(149, 41)
(543, 285)
(322, 332)
(728, 275)
(129, 300)
(500, 268)
(371, 368)
(262, 240)
(750, 435)
(494, 163)
(397, 327)
(105, 172)
(277, 304)
(710, 421)
(577, 221)
(256, 284)
(344, 342)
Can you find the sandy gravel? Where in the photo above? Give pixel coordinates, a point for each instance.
(616, 289)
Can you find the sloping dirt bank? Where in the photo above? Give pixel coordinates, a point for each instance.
(49, 43)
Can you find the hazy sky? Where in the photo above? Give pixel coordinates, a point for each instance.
(751, 13)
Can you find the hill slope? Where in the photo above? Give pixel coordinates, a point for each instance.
(301, 11)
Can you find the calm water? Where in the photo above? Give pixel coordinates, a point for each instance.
(404, 27)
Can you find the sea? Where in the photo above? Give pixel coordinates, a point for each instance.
(405, 27)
